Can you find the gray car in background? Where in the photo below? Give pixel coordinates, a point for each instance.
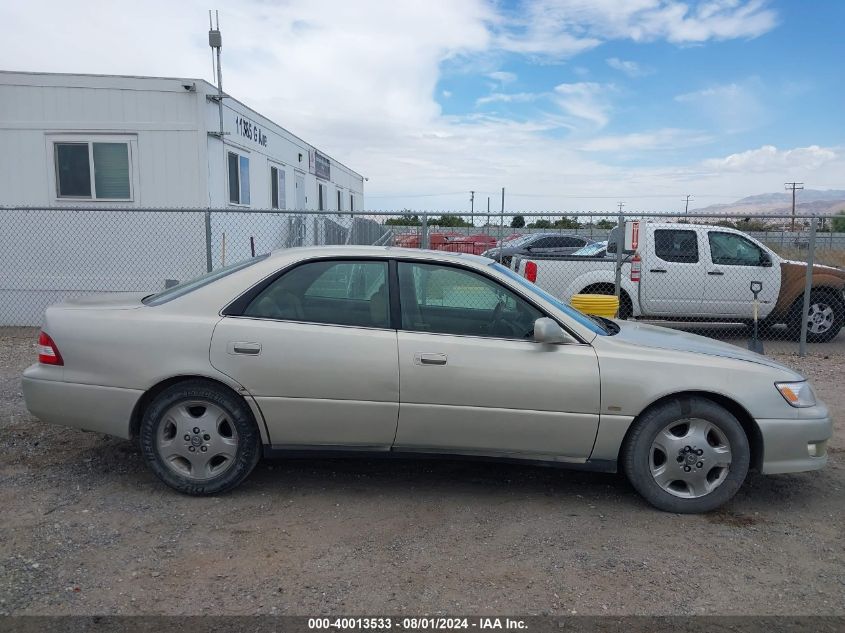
(537, 244)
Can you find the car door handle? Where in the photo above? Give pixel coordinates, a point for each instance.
(657, 270)
(715, 272)
(429, 359)
(243, 347)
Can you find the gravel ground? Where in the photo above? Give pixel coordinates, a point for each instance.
(86, 529)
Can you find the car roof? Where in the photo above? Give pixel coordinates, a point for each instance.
(305, 252)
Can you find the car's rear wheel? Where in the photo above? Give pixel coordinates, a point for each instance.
(199, 438)
(686, 455)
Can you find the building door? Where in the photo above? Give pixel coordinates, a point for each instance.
(299, 183)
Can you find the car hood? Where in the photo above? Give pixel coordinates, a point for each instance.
(644, 335)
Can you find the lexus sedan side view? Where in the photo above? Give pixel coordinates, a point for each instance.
(387, 351)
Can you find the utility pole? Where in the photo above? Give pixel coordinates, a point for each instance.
(488, 211)
(620, 205)
(794, 186)
(472, 208)
(686, 206)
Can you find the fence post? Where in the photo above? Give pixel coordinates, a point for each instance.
(620, 230)
(424, 231)
(208, 263)
(808, 284)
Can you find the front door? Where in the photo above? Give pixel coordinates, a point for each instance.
(472, 381)
(734, 262)
(316, 351)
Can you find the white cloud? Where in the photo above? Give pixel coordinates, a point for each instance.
(446, 94)
(585, 100)
(630, 68)
(768, 158)
(503, 77)
(666, 138)
(562, 28)
(515, 97)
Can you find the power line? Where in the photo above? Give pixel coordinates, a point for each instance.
(794, 186)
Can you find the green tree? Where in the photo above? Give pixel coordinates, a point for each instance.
(605, 224)
(540, 224)
(448, 221)
(566, 223)
(405, 220)
(518, 222)
(837, 222)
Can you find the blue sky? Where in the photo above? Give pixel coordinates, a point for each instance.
(571, 105)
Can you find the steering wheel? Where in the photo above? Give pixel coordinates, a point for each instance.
(500, 326)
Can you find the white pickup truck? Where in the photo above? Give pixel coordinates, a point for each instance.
(704, 273)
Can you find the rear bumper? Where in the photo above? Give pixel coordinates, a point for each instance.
(88, 407)
(793, 446)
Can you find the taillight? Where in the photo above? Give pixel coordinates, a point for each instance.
(531, 272)
(636, 267)
(48, 353)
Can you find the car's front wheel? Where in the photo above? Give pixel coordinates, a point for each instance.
(199, 438)
(686, 455)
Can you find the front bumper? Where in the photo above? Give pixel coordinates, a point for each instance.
(88, 407)
(795, 445)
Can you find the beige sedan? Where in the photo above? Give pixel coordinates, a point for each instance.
(392, 352)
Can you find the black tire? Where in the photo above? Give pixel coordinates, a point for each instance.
(637, 454)
(819, 300)
(238, 423)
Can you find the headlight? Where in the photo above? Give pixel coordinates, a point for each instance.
(797, 394)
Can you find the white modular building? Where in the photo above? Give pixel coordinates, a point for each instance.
(114, 147)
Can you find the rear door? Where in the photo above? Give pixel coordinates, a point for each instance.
(673, 273)
(733, 262)
(316, 350)
(472, 379)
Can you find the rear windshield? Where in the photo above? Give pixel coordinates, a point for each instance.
(186, 287)
(582, 318)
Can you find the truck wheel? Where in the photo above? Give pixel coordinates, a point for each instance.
(824, 318)
(686, 455)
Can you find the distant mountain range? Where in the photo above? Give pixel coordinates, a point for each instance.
(808, 201)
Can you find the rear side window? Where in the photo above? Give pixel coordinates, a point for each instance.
(186, 287)
(352, 293)
(674, 245)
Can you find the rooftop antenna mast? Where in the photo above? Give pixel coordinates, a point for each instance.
(215, 41)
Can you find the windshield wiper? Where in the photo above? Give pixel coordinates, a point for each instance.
(611, 327)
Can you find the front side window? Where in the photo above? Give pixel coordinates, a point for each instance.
(97, 170)
(730, 249)
(449, 300)
(674, 245)
(348, 292)
(238, 168)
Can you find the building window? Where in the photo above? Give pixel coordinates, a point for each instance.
(351, 203)
(238, 179)
(93, 170)
(321, 197)
(339, 200)
(277, 188)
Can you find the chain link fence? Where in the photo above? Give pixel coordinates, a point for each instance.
(697, 273)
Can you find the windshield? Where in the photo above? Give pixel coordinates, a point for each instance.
(591, 249)
(198, 282)
(583, 319)
(517, 240)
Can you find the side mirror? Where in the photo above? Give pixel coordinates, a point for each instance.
(765, 260)
(549, 332)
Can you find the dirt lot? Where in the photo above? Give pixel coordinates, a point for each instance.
(86, 529)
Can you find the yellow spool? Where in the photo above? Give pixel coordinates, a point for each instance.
(599, 305)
